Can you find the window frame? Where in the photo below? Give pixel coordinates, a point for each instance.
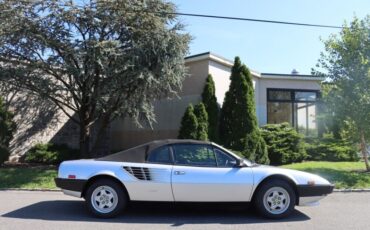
(227, 154)
(292, 101)
(203, 166)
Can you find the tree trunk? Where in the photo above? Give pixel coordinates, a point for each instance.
(84, 141)
(364, 151)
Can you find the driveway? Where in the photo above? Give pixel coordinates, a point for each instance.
(20, 210)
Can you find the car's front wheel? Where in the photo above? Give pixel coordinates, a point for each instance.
(105, 198)
(275, 199)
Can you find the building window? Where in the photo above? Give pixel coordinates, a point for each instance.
(298, 107)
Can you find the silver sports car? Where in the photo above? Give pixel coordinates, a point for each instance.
(187, 171)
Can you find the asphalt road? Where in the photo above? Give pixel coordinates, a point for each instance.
(21, 210)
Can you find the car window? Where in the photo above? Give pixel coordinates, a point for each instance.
(160, 155)
(223, 159)
(194, 155)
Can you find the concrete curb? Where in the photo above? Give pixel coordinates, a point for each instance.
(59, 190)
(31, 189)
(352, 190)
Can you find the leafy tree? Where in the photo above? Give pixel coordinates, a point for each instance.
(189, 125)
(202, 118)
(210, 102)
(327, 120)
(7, 127)
(346, 62)
(238, 123)
(95, 60)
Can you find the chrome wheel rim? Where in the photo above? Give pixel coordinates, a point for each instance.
(276, 200)
(104, 199)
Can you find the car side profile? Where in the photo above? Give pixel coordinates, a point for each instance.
(186, 171)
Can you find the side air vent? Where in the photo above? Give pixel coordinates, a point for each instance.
(139, 172)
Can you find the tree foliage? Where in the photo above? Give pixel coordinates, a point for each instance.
(238, 110)
(346, 62)
(7, 127)
(330, 149)
(210, 102)
(95, 60)
(238, 121)
(202, 119)
(189, 125)
(284, 144)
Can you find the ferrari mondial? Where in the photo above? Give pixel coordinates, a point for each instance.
(187, 171)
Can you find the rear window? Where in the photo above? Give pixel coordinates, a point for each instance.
(160, 155)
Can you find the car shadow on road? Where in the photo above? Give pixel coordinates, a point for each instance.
(167, 213)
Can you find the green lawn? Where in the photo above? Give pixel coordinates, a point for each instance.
(27, 178)
(342, 174)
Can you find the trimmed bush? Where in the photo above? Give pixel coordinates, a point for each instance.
(50, 154)
(284, 144)
(4, 154)
(256, 149)
(330, 149)
(202, 118)
(210, 102)
(7, 128)
(189, 124)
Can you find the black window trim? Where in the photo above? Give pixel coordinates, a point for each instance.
(292, 96)
(292, 102)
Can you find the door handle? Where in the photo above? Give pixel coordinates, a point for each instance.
(179, 172)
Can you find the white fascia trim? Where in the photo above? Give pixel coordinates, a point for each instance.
(218, 59)
(292, 78)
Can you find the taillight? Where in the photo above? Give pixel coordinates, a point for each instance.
(71, 176)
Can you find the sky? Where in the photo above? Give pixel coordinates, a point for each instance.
(267, 48)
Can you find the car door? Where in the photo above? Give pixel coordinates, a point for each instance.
(152, 180)
(200, 176)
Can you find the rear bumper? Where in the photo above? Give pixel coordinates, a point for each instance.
(72, 187)
(314, 190)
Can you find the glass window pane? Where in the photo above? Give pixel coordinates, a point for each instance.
(305, 96)
(305, 118)
(194, 155)
(279, 112)
(160, 155)
(224, 160)
(279, 95)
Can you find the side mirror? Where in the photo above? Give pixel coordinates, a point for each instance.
(239, 163)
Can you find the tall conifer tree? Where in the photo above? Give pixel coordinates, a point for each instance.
(189, 124)
(238, 122)
(202, 118)
(210, 102)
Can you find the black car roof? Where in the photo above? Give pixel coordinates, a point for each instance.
(138, 154)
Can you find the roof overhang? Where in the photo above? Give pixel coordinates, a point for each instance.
(228, 63)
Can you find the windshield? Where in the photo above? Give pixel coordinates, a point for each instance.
(247, 162)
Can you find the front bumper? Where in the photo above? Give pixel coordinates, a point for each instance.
(72, 187)
(314, 190)
(309, 195)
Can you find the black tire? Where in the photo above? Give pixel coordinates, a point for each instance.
(109, 185)
(274, 213)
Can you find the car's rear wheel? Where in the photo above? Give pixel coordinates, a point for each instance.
(275, 199)
(105, 198)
